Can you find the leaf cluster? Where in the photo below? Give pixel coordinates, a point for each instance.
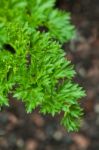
(33, 66)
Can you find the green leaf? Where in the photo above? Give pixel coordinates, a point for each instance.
(38, 73)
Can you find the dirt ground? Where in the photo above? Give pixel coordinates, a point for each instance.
(21, 131)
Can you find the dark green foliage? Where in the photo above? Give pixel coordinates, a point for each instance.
(33, 67)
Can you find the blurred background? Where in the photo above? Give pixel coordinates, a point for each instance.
(21, 131)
